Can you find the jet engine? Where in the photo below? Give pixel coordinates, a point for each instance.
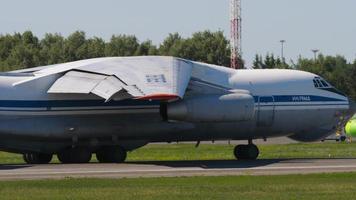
(233, 107)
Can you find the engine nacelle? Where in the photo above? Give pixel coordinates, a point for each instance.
(212, 108)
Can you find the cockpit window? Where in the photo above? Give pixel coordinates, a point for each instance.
(315, 83)
(324, 83)
(320, 83)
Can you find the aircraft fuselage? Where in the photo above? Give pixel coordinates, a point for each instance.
(287, 103)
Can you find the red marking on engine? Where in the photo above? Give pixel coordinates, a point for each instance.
(165, 97)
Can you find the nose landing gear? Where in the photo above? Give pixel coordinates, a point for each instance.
(246, 152)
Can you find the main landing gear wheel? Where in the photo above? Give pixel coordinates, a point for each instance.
(74, 155)
(37, 158)
(111, 154)
(246, 152)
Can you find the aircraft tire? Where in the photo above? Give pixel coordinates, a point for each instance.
(246, 152)
(111, 154)
(74, 155)
(37, 158)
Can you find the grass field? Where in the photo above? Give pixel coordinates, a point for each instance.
(218, 151)
(299, 187)
(164, 152)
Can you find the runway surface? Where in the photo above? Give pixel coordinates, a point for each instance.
(177, 168)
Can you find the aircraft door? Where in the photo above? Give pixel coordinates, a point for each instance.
(266, 108)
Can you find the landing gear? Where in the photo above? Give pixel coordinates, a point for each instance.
(37, 158)
(75, 155)
(246, 152)
(111, 154)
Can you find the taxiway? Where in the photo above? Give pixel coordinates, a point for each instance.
(177, 168)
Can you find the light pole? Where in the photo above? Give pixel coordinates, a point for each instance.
(315, 51)
(282, 49)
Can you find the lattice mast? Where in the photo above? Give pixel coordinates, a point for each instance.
(235, 40)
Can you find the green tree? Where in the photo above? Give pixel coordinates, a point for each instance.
(75, 47)
(269, 62)
(258, 62)
(171, 46)
(7, 44)
(351, 80)
(210, 47)
(146, 48)
(95, 48)
(52, 49)
(26, 52)
(122, 45)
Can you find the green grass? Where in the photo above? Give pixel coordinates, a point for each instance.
(218, 151)
(299, 187)
(164, 152)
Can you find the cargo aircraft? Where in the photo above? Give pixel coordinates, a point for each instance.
(109, 106)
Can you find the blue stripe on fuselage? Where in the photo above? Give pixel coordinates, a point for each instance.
(295, 98)
(75, 103)
(132, 102)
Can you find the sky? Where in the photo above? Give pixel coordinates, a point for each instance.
(327, 25)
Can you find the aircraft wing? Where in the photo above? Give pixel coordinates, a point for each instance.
(154, 78)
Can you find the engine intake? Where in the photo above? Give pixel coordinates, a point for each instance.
(211, 108)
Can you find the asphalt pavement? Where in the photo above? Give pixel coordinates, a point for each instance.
(177, 169)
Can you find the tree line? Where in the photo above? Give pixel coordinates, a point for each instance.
(25, 50)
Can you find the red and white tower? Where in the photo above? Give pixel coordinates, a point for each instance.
(235, 40)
